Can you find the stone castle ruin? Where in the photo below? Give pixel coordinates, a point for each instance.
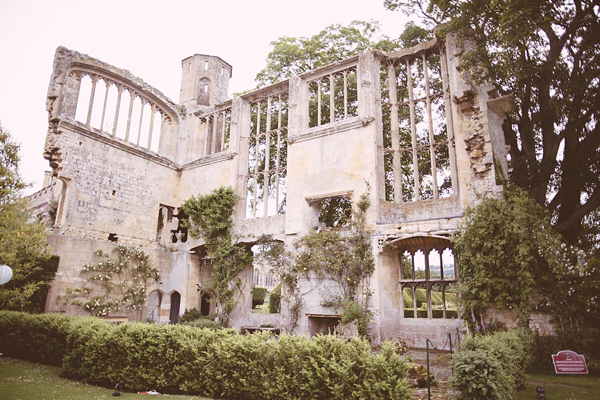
(410, 125)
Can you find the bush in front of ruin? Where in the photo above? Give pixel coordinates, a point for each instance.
(213, 363)
(492, 366)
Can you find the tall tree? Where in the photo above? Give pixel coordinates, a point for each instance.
(23, 244)
(547, 54)
(294, 56)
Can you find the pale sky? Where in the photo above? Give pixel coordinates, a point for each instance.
(148, 38)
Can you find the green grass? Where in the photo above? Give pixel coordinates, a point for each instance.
(262, 309)
(582, 387)
(25, 380)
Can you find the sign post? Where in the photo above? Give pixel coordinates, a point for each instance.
(569, 362)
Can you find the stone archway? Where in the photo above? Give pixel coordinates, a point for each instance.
(154, 304)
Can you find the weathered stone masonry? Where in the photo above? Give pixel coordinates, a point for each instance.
(408, 124)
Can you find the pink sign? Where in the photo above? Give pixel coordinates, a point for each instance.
(569, 362)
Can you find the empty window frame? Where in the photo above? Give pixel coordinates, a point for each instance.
(333, 97)
(417, 133)
(267, 157)
(215, 129)
(117, 110)
(428, 282)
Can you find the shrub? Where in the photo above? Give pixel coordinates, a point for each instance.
(275, 300)
(258, 296)
(203, 322)
(492, 366)
(38, 338)
(190, 315)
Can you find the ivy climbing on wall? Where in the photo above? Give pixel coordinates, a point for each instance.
(211, 218)
(510, 257)
(346, 258)
(342, 257)
(114, 284)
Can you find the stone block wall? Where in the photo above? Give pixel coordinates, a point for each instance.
(113, 187)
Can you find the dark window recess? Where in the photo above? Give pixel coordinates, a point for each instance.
(112, 237)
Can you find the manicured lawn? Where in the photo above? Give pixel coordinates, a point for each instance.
(580, 387)
(25, 380)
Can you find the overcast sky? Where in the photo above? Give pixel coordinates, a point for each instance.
(149, 38)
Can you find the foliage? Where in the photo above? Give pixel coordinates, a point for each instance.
(347, 260)
(585, 343)
(492, 366)
(210, 218)
(336, 212)
(225, 364)
(294, 56)
(351, 310)
(258, 296)
(275, 299)
(510, 257)
(282, 264)
(189, 315)
(203, 322)
(23, 245)
(39, 338)
(11, 183)
(114, 284)
(546, 54)
(417, 376)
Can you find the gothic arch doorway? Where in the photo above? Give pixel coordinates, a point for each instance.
(175, 303)
(205, 303)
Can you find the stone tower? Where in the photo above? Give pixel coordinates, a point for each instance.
(204, 82)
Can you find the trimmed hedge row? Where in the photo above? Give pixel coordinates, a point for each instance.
(40, 338)
(183, 359)
(259, 294)
(492, 366)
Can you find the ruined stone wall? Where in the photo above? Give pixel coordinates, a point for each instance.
(322, 146)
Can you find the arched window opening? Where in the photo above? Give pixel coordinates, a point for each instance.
(428, 277)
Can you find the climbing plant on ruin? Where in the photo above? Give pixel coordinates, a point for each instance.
(114, 284)
(211, 218)
(510, 257)
(344, 257)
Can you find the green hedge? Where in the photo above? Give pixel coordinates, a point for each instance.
(492, 366)
(275, 299)
(223, 363)
(39, 338)
(258, 296)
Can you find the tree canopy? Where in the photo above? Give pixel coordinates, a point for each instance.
(545, 53)
(294, 56)
(23, 245)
